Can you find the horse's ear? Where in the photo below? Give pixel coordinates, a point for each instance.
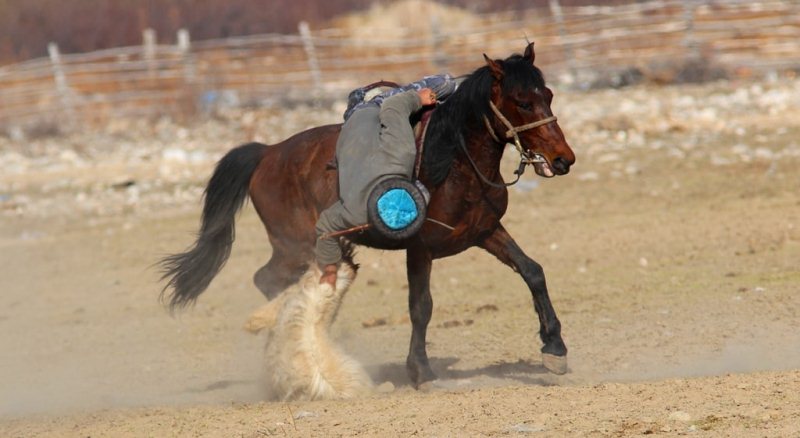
(529, 53)
(495, 66)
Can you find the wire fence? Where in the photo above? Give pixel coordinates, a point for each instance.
(574, 45)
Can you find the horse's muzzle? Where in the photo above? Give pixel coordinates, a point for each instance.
(561, 166)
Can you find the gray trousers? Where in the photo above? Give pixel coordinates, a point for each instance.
(375, 143)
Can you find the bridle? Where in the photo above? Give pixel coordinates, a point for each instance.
(513, 132)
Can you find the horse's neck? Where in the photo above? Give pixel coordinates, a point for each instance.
(484, 152)
(480, 179)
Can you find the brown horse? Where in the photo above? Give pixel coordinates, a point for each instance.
(290, 184)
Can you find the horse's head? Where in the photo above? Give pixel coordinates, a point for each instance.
(520, 112)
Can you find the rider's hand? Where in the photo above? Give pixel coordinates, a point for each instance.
(426, 96)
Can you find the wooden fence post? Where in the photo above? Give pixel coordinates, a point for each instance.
(62, 88)
(313, 63)
(185, 49)
(183, 40)
(689, 40)
(189, 100)
(149, 50)
(555, 9)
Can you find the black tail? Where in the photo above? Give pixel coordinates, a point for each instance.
(190, 272)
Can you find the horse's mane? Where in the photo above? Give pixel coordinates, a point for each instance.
(464, 110)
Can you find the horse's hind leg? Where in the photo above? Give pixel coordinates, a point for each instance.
(280, 272)
(420, 307)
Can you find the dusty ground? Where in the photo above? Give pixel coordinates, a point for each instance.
(671, 253)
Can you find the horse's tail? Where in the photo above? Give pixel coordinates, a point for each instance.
(190, 272)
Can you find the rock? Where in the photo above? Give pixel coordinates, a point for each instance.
(680, 416)
(374, 322)
(589, 176)
(450, 324)
(69, 156)
(527, 428)
(175, 155)
(385, 387)
(486, 308)
(305, 414)
(123, 184)
(198, 157)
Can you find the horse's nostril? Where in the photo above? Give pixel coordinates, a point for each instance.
(561, 165)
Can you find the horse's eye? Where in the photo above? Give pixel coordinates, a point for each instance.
(524, 105)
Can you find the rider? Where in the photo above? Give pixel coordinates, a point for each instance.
(376, 142)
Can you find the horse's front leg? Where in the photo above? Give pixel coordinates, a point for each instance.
(503, 246)
(420, 307)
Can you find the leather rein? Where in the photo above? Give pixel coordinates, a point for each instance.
(512, 133)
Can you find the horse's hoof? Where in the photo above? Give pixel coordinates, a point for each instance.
(419, 374)
(555, 364)
(429, 386)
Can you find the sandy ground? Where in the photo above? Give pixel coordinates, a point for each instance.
(671, 254)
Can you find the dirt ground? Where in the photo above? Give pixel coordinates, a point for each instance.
(671, 253)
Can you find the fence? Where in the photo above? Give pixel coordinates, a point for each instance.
(572, 44)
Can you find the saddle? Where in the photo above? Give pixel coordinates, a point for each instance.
(420, 128)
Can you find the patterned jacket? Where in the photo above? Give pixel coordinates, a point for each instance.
(443, 85)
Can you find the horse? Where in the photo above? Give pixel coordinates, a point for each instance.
(291, 182)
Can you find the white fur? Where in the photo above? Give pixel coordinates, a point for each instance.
(302, 361)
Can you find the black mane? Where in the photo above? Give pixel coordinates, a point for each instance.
(464, 110)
